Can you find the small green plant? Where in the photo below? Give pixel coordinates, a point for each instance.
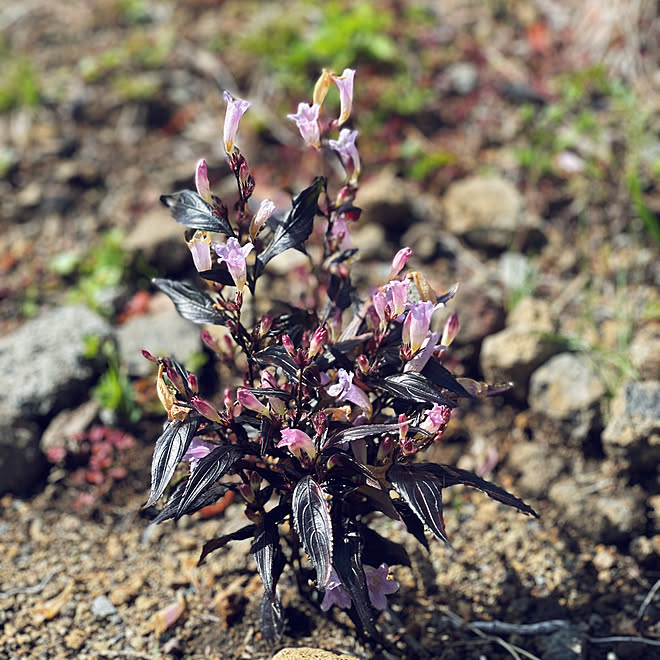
(113, 390)
(19, 83)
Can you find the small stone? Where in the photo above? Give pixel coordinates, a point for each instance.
(532, 313)
(645, 351)
(102, 607)
(513, 354)
(75, 639)
(488, 213)
(603, 560)
(539, 466)
(462, 77)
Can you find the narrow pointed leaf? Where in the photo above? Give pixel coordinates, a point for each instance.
(413, 524)
(190, 210)
(268, 556)
(311, 518)
(296, 227)
(362, 431)
(169, 449)
(170, 510)
(192, 304)
(272, 619)
(221, 541)
(422, 491)
(218, 274)
(347, 561)
(278, 357)
(378, 549)
(413, 387)
(209, 469)
(450, 476)
(442, 377)
(380, 500)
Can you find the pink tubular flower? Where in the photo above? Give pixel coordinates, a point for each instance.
(335, 594)
(399, 261)
(235, 110)
(429, 347)
(200, 249)
(450, 330)
(205, 409)
(397, 296)
(379, 585)
(379, 301)
(202, 181)
(416, 325)
(307, 121)
(298, 443)
(344, 390)
(266, 209)
(234, 255)
(345, 86)
(316, 343)
(437, 418)
(197, 450)
(348, 153)
(249, 401)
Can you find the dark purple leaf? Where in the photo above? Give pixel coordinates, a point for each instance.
(380, 500)
(339, 291)
(208, 470)
(169, 449)
(413, 387)
(347, 560)
(189, 209)
(209, 496)
(218, 274)
(296, 227)
(311, 518)
(221, 541)
(169, 510)
(191, 303)
(422, 491)
(277, 356)
(442, 377)
(450, 476)
(360, 432)
(413, 524)
(271, 391)
(270, 562)
(378, 549)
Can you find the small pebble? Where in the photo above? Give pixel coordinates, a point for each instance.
(102, 607)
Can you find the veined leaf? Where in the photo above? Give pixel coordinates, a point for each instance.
(169, 449)
(270, 562)
(441, 376)
(422, 491)
(209, 469)
(296, 227)
(191, 303)
(311, 518)
(221, 541)
(190, 210)
(209, 496)
(450, 476)
(413, 386)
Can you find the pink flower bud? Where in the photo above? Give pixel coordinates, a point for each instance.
(235, 110)
(202, 181)
(307, 121)
(288, 346)
(317, 342)
(175, 378)
(404, 425)
(345, 85)
(266, 209)
(384, 449)
(379, 302)
(247, 493)
(249, 401)
(363, 363)
(437, 418)
(192, 383)
(399, 261)
(265, 325)
(149, 356)
(321, 87)
(298, 443)
(206, 409)
(210, 341)
(450, 330)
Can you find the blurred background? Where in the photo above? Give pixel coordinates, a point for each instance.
(512, 144)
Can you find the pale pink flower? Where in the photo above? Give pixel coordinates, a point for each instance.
(249, 401)
(399, 261)
(379, 301)
(416, 325)
(397, 296)
(200, 249)
(436, 418)
(266, 209)
(348, 153)
(235, 110)
(429, 347)
(379, 585)
(307, 121)
(298, 443)
(345, 86)
(197, 450)
(202, 181)
(344, 390)
(205, 409)
(234, 255)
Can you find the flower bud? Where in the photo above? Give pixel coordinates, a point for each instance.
(202, 181)
(192, 383)
(399, 261)
(384, 449)
(249, 401)
(363, 363)
(298, 443)
(149, 356)
(404, 424)
(266, 209)
(247, 493)
(321, 87)
(205, 409)
(210, 341)
(345, 85)
(175, 378)
(288, 346)
(235, 110)
(265, 325)
(200, 250)
(317, 342)
(450, 330)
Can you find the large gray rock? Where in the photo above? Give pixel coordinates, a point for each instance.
(161, 333)
(539, 466)
(43, 362)
(567, 389)
(633, 430)
(488, 212)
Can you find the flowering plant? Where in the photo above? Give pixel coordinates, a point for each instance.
(335, 401)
